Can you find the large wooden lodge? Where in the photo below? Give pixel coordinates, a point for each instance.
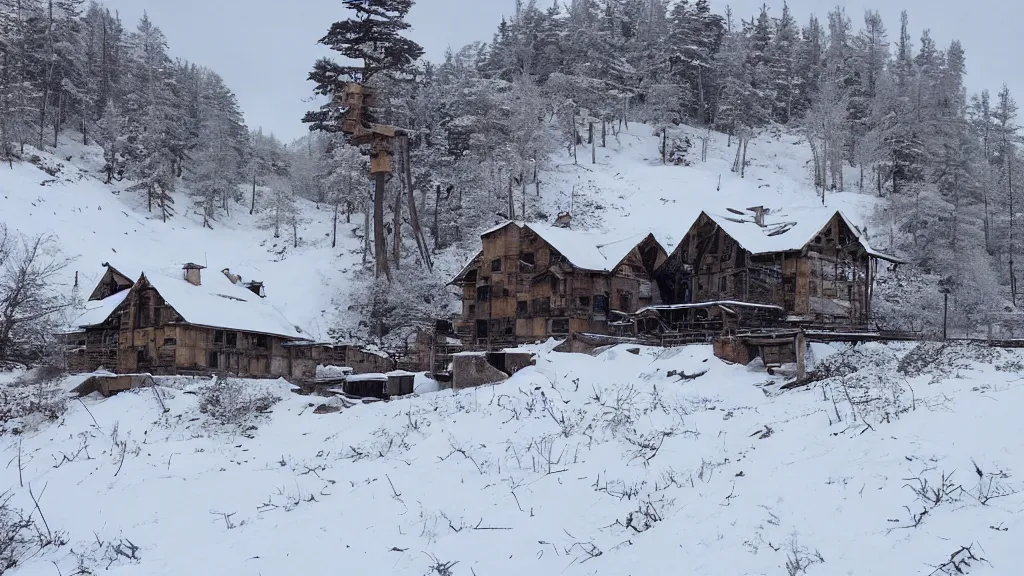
(742, 271)
(530, 282)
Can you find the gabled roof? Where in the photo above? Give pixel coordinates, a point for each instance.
(598, 252)
(785, 230)
(98, 311)
(218, 303)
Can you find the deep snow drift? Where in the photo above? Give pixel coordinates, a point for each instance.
(615, 464)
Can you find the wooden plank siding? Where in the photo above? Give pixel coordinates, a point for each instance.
(828, 280)
(521, 289)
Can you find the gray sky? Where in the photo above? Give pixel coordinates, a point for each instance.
(265, 48)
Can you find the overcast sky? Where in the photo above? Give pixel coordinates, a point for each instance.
(265, 48)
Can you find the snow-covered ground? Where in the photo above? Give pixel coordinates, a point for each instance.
(611, 464)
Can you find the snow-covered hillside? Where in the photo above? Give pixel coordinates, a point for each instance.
(95, 223)
(629, 191)
(616, 464)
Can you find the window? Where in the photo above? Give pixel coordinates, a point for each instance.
(481, 329)
(812, 289)
(472, 309)
(723, 284)
(231, 339)
(496, 265)
(624, 302)
(144, 310)
(505, 293)
(262, 341)
(554, 284)
(541, 306)
(212, 361)
(170, 341)
(583, 301)
(141, 356)
(527, 261)
(218, 337)
(522, 308)
(560, 326)
(600, 303)
(483, 293)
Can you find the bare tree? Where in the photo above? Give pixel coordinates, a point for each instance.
(30, 306)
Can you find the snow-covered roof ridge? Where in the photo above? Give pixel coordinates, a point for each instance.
(218, 303)
(97, 311)
(784, 230)
(586, 249)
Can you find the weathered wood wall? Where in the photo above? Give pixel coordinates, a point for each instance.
(522, 290)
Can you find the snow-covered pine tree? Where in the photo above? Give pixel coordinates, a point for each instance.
(153, 133)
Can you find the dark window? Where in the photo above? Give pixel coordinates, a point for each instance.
(541, 306)
(483, 293)
(560, 326)
(554, 284)
(158, 316)
(496, 265)
(231, 339)
(472, 309)
(262, 341)
(723, 284)
(218, 336)
(141, 356)
(505, 293)
(170, 341)
(527, 258)
(481, 329)
(584, 301)
(600, 303)
(624, 302)
(522, 308)
(212, 361)
(144, 310)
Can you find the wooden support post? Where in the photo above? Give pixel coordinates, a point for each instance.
(945, 313)
(801, 353)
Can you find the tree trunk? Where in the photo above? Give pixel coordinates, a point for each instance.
(604, 134)
(664, 145)
(396, 223)
(414, 217)
(380, 248)
(437, 205)
(252, 207)
(334, 227)
(590, 133)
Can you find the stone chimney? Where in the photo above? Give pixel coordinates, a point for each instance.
(564, 220)
(193, 273)
(759, 214)
(234, 278)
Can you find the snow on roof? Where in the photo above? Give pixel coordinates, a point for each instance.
(784, 230)
(97, 311)
(218, 303)
(586, 250)
(373, 377)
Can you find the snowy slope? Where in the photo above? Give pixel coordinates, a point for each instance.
(96, 223)
(629, 191)
(580, 466)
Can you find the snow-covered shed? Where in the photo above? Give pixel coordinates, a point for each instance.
(533, 281)
(814, 263)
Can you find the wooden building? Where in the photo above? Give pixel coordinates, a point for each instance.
(530, 282)
(199, 323)
(812, 265)
(192, 324)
